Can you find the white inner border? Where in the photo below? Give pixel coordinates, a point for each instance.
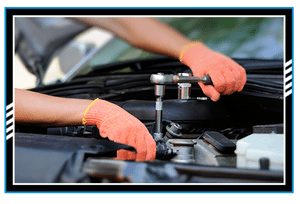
(150, 184)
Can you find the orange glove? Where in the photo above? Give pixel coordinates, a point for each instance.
(226, 75)
(118, 125)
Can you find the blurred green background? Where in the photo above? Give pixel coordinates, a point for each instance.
(236, 37)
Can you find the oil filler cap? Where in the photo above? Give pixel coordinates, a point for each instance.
(219, 141)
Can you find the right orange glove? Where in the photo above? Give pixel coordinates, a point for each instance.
(118, 125)
(226, 75)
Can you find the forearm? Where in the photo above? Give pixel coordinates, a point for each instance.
(116, 123)
(145, 33)
(45, 110)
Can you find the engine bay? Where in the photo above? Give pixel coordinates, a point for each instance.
(240, 138)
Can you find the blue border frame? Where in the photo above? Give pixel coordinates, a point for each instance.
(223, 8)
(133, 193)
(293, 95)
(3, 97)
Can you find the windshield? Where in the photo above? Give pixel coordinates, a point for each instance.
(236, 37)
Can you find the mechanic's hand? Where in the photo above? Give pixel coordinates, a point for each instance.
(118, 125)
(226, 75)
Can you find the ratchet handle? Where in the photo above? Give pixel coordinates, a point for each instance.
(207, 80)
(173, 79)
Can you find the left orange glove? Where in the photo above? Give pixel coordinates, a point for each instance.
(118, 125)
(226, 75)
